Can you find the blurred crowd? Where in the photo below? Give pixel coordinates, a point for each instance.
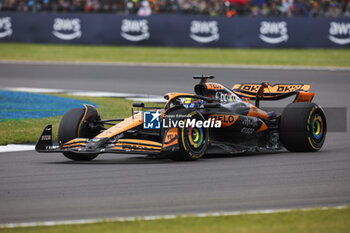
(229, 8)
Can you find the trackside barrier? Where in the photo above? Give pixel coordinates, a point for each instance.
(175, 30)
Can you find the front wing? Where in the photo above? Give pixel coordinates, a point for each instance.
(103, 145)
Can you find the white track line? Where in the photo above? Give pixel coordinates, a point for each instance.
(16, 147)
(179, 65)
(129, 96)
(34, 90)
(158, 217)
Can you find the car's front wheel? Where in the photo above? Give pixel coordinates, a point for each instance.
(70, 127)
(193, 140)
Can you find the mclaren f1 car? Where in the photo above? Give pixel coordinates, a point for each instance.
(213, 120)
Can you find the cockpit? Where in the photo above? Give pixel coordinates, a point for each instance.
(206, 92)
(187, 100)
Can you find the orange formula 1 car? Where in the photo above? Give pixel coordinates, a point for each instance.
(214, 120)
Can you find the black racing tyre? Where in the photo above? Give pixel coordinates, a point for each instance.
(68, 130)
(193, 141)
(303, 127)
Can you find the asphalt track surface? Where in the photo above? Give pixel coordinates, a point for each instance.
(45, 187)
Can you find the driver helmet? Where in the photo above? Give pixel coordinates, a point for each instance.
(190, 103)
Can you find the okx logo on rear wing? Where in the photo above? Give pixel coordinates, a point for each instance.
(265, 91)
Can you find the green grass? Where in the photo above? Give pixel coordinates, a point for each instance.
(293, 57)
(320, 221)
(29, 130)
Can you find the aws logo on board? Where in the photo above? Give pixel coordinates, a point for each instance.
(135, 30)
(204, 31)
(339, 33)
(5, 27)
(273, 32)
(67, 29)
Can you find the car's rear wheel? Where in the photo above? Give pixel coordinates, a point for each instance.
(193, 140)
(69, 128)
(303, 127)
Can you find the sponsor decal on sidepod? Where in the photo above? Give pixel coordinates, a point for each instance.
(5, 27)
(67, 29)
(135, 30)
(273, 32)
(204, 31)
(339, 33)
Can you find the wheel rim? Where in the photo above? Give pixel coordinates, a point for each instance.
(195, 137)
(317, 126)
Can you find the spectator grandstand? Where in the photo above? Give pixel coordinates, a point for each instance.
(229, 8)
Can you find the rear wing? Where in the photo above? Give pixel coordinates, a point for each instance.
(265, 91)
